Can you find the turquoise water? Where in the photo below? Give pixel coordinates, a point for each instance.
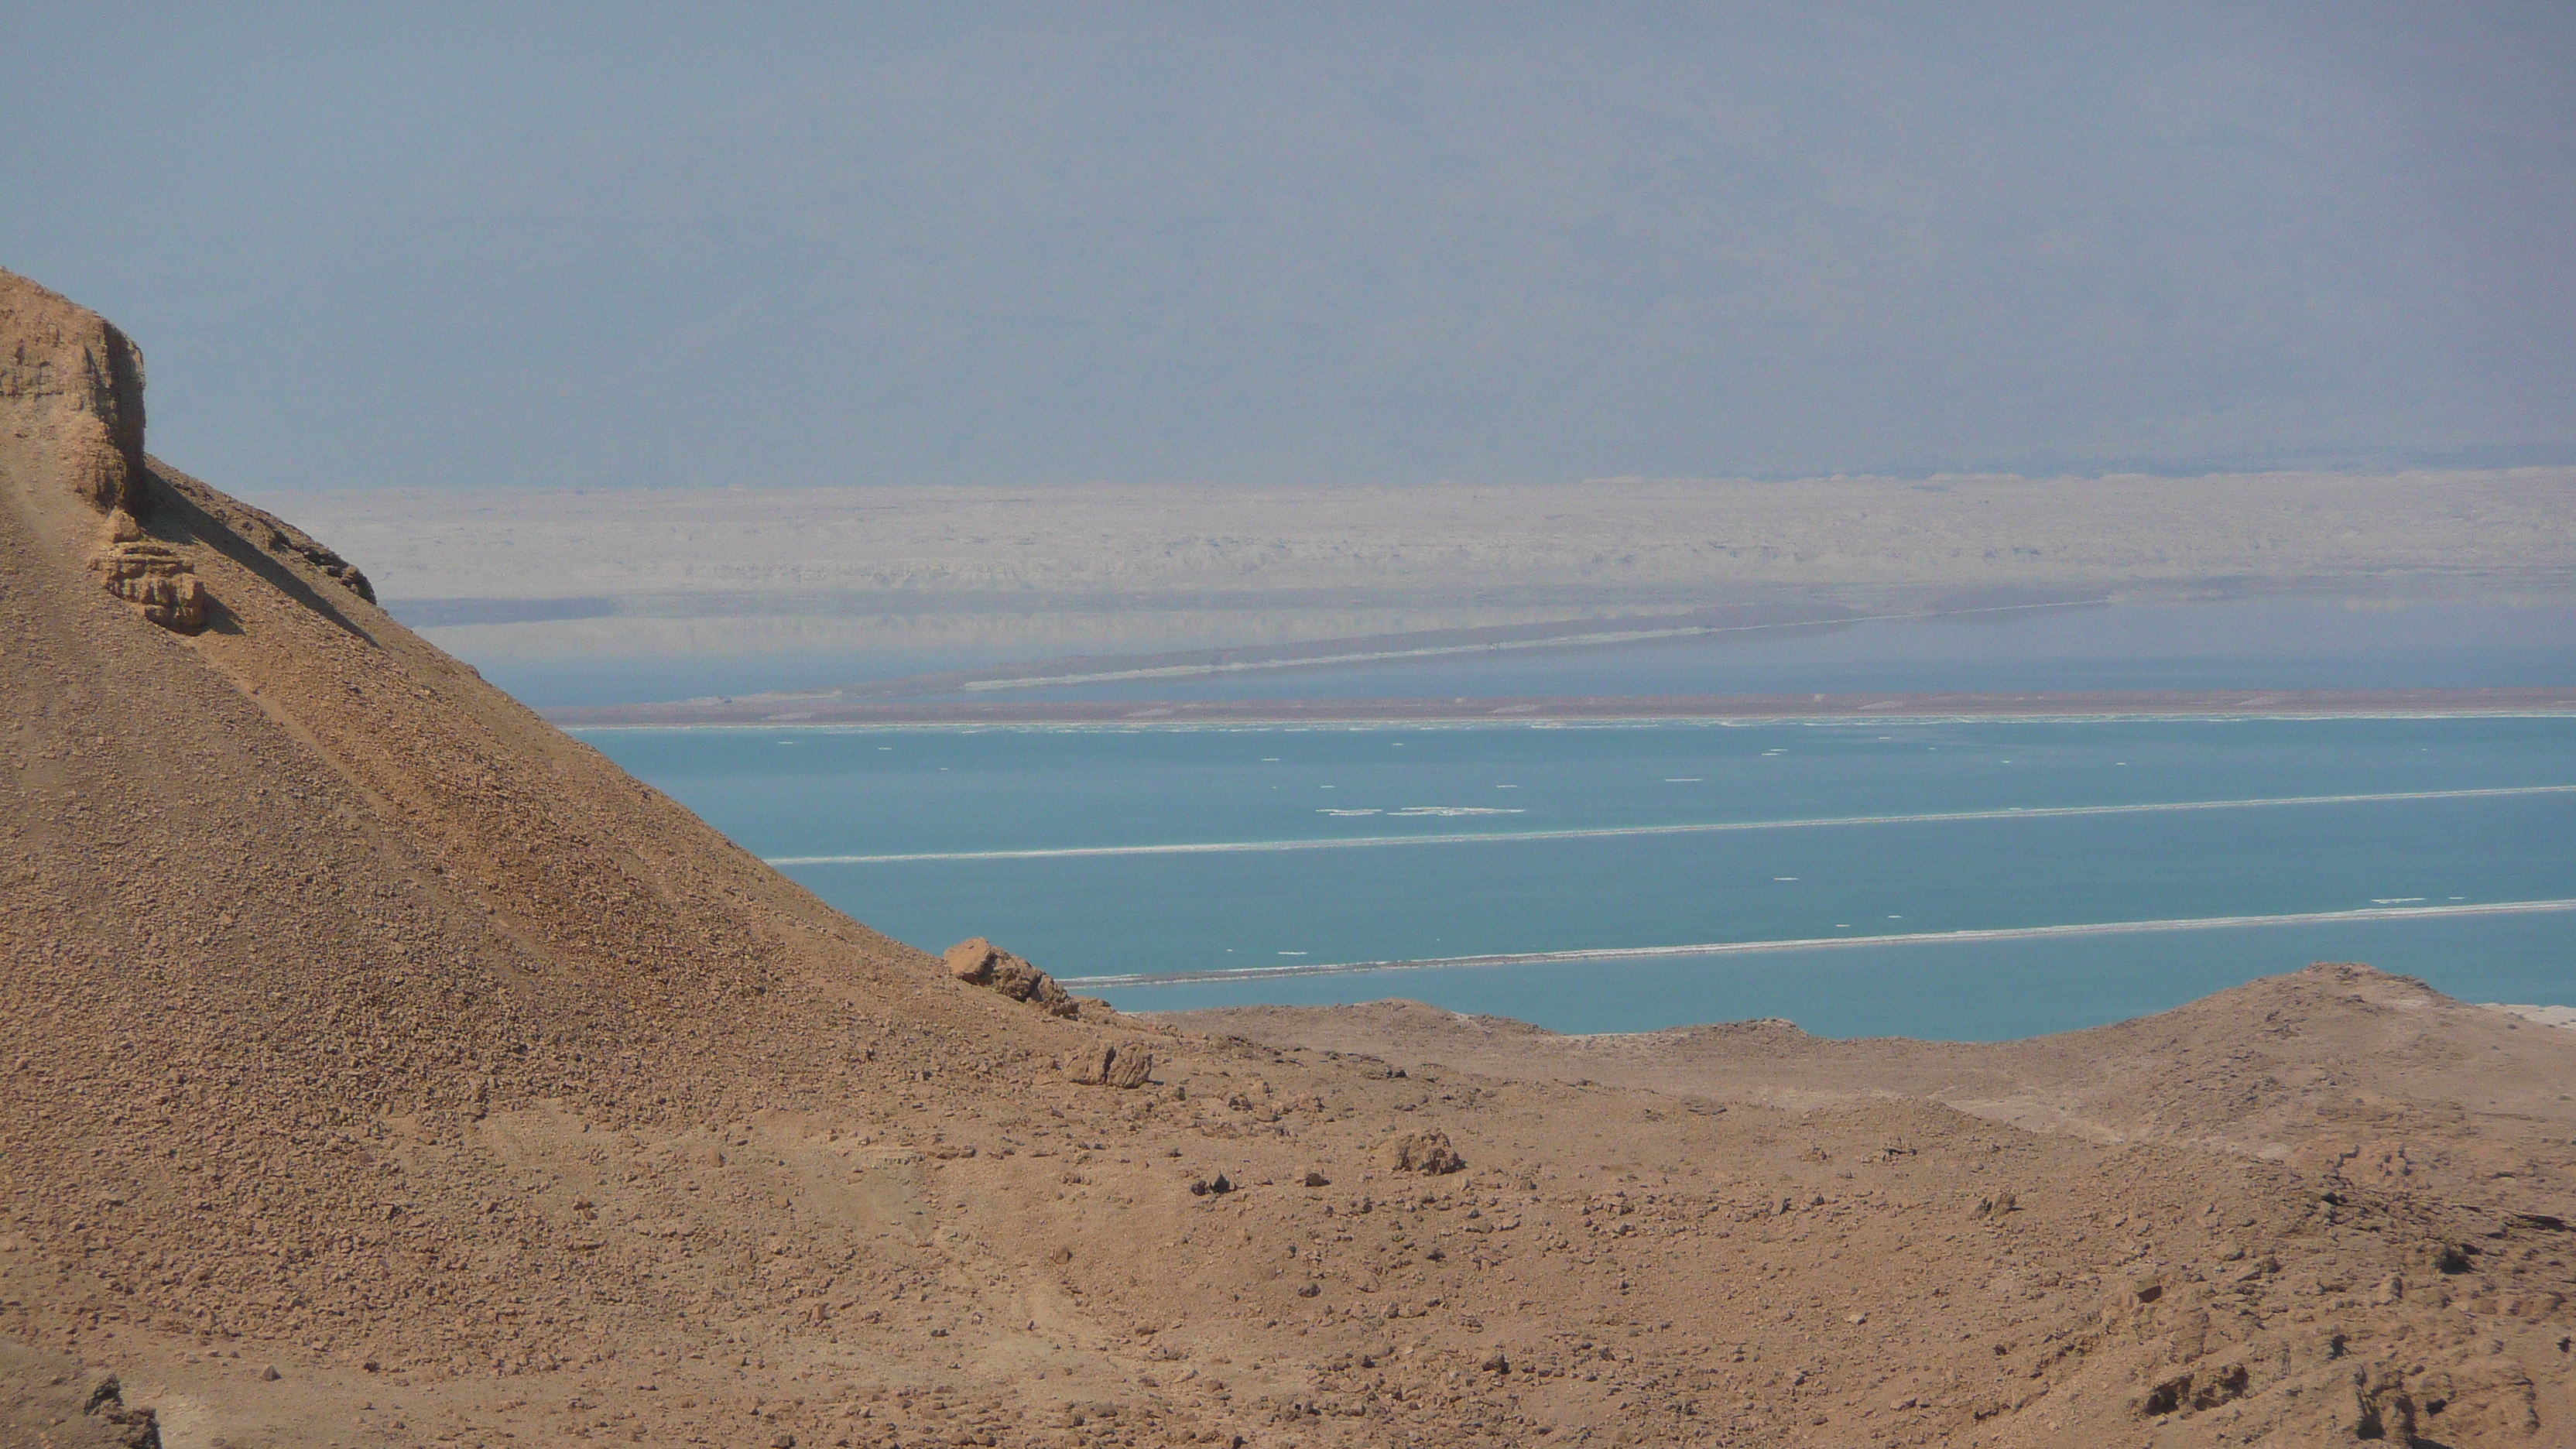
(1162, 851)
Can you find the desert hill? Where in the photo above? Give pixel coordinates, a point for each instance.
(387, 1068)
(2333, 1069)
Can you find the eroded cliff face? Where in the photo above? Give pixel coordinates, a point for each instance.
(72, 385)
(70, 377)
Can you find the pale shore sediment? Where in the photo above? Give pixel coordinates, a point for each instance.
(2148, 704)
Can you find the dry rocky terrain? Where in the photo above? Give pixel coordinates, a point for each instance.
(387, 1068)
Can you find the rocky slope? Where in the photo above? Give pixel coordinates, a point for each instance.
(387, 1068)
(2358, 1076)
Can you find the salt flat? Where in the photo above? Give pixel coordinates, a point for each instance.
(736, 551)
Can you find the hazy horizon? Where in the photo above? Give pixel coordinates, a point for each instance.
(650, 247)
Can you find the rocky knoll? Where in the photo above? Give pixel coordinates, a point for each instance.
(387, 1068)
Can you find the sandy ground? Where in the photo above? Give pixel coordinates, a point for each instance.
(386, 1068)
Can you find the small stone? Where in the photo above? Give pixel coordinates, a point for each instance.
(1496, 1363)
(269, 1374)
(1317, 1179)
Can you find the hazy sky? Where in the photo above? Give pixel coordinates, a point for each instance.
(436, 245)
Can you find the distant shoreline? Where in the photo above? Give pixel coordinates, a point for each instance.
(1722, 708)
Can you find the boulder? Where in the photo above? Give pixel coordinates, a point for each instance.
(1112, 1066)
(979, 962)
(971, 960)
(127, 1428)
(1130, 1068)
(1426, 1152)
(155, 580)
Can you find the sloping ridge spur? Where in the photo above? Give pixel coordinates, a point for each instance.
(385, 1067)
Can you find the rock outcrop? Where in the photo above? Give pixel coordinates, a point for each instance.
(72, 379)
(154, 579)
(979, 962)
(71, 383)
(278, 536)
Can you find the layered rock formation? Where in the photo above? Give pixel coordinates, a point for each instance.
(75, 383)
(154, 579)
(72, 385)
